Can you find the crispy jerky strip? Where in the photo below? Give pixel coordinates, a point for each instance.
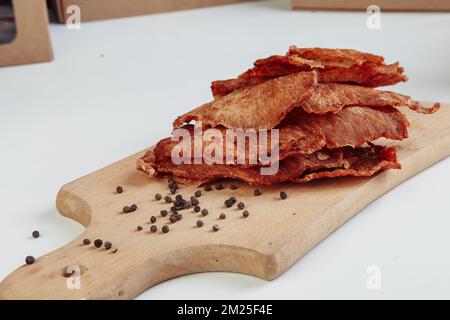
(258, 107)
(325, 163)
(302, 133)
(333, 97)
(333, 65)
(365, 162)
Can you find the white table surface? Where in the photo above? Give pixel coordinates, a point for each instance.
(115, 86)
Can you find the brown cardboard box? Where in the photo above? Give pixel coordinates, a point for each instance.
(108, 9)
(388, 5)
(32, 42)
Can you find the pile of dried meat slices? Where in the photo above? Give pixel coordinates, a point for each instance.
(324, 105)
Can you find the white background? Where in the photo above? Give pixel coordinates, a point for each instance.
(115, 86)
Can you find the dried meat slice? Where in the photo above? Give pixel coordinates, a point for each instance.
(263, 70)
(332, 65)
(300, 169)
(203, 173)
(259, 107)
(333, 97)
(368, 74)
(302, 133)
(343, 58)
(364, 162)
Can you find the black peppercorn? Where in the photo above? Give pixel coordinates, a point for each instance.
(165, 229)
(153, 219)
(119, 189)
(108, 245)
(197, 209)
(222, 216)
(199, 223)
(164, 213)
(198, 194)
(245, 214)
(139, 228)
(179, 216)
(158, 197)
(194, 201)
(283, 195)
(126, 209)
(178, 197)
(228, 203)
(29, 260)
(173, 191)
(215, 228)
(173, 218)
(168, 199)
(257, 192)
(153, 229)
(205, 212)
(207, 187)
(241, 205)
(35, 234)
(86, 242)
(133, 207)
(98, 243)
(219, 186)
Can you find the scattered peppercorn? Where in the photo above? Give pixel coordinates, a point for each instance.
(158, 197)
(35, 234)
(245, 214)
(86, 242)
(257, 192)
(173, 218)
(215, 228)
(126, 209)
(153, 219)
(222, 216)
(205, 212)
(199, 223)
(219, 186)
(108, 245)
(207, 187)
(187, 205)
(133, 207)
(139, 228)
(164, 213)
(178, 197)
(179, 216)
(283, 195)
(168, 199)
(165, 229)
(198, 194)
(228, 203)
(29, 260)
(173, 191)
(197, 209)
(233, 187)
(241, 205)
(119, 189)
(194, 201)
(153, 229)
(98, 243)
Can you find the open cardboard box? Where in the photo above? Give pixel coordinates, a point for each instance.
(31, 42)
(108, 9)
(388, 5)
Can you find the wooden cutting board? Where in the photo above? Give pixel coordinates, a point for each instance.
(275, 235)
